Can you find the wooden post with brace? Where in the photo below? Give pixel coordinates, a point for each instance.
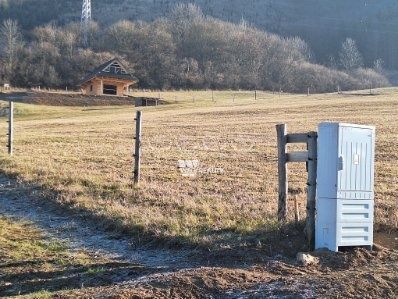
(312, 145)
(310, 157)
(281, 131)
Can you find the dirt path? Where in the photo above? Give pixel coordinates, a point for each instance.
(79, 234)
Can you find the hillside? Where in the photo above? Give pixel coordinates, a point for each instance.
(324, 25)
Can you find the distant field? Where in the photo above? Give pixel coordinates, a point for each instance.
(84, 157)
(62, 98)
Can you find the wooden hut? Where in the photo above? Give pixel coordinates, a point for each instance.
(110, 78)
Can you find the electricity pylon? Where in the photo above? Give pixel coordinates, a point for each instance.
(86, 19)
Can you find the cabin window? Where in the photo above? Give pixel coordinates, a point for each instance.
(91, 87)
(110, 89)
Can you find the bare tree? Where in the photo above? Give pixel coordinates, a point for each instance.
(186, 49)
(378, 65)
(10, 44)
(350, 57)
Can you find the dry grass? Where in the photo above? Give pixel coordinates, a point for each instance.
(32, 263)
(85, 155)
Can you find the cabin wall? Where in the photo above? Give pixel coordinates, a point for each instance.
(120, 89)
(97, 87)
(95, 90)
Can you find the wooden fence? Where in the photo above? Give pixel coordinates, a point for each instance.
(310, 157)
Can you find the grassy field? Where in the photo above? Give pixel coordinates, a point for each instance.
(83, 157)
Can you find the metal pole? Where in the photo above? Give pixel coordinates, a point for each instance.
(10, 128)
(137, 153)
(311, 192)
(282, 172)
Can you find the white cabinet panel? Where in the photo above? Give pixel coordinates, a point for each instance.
(345, 186)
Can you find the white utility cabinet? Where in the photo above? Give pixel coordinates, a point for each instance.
(345, 186)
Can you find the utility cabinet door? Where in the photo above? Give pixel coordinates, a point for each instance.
(328, 135)
(356, 163)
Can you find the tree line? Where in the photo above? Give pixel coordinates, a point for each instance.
(185, 50)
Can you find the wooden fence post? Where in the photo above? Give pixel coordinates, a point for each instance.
(311, 192)
(282, 171)
(309, 156)
(296, 210)
(10, 128)
(255, 95)
(137, 153)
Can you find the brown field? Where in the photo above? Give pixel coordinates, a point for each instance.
(62, 98)
(83, 157)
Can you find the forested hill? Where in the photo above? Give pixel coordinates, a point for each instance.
(323, 24)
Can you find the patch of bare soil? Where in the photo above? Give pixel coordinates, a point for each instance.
(66, 99)
(375, 278)
(387, 239)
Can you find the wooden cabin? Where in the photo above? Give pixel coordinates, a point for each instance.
(110, 78)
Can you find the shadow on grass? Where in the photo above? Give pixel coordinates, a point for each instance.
(221, 246)
(71, 277)
(229, 248)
